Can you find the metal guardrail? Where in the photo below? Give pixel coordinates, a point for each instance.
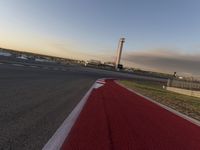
(184, 84)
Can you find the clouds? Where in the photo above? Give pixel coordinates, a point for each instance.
(166, 61)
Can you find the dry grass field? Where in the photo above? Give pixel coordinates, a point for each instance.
(185, 104)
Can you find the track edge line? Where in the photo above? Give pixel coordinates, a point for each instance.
(58, 138)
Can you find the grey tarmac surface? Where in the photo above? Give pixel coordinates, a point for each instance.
(35, 100)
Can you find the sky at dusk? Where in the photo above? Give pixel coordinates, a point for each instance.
(161, 35)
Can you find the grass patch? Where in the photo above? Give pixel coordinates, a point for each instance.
(185, 104)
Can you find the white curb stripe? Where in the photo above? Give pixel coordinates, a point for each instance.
(97, 85)
(192, 120)
(57, 140)
(101, 82)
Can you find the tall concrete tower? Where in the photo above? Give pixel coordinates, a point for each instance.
(119, 52)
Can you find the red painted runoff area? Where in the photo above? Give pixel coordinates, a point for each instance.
(116, 119)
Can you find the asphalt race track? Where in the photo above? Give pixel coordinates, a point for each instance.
(34, 102)
(35, 99)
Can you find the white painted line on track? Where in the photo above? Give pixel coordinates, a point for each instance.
(192, 120)
(18, 65)
(57, 140)
(99, 83)
(33, 66)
